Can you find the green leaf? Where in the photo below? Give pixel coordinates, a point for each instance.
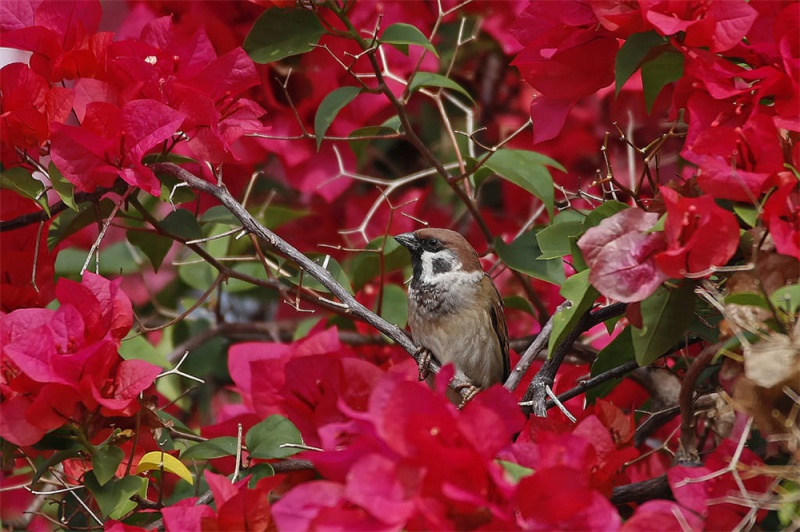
(658, 72)
(603, 211)
(64, 189)
(136, 347)
(527, 169)
(515, 471)
(264, 440)
(751, 299)
(521, 255)
(359, 142)
(429, 79)
(280, 33)
(257, 472)
(105, 462)
(518, 303)
(665, 317)
(23, 183)
(631, 55)
(787, 298)
(53, 460)
(330, 107)
(330, 264)
(582, 294)
(114, 497)
(182, 223)
(554, 240)
(154, 246)
(395, 305)
(747, 213)
(615, 354)
(366, 266)
(401, 35)
(213, 448)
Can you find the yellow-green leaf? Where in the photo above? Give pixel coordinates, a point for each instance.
(158, 460)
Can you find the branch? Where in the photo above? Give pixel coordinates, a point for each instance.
(58, 207)
(646, 490)
(251, 225)
(687, 452)
(536, 394)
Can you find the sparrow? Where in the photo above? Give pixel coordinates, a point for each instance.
(454, 309)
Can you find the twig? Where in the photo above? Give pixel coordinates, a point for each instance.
(536, 394)
(655, 488)
(687, 452)
(351, 305)
(530, 354)
(588, 384)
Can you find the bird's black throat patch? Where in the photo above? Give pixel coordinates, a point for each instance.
(441, 265)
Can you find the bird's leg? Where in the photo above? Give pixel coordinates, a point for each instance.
(472, 391)
(424, 355)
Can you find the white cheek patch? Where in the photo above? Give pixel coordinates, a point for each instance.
(432, 264)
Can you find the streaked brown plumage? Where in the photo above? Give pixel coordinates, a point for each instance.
(454, 309)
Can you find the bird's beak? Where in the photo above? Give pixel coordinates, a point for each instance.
(408, 240)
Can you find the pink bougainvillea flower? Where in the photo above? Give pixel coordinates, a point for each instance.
(662, 516)
(699, 235)
(621, 255)
(703, 490)
(63, 364)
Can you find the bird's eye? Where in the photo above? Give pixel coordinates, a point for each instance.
(433, 244)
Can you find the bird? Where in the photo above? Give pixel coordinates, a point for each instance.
(454, 310)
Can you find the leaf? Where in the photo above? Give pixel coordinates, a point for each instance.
(53, 460)
(358, 142)
(615, 354)
(554, 240)
(751, 299)
(582, 295)
(747, 213)
(159, 460)
(787, 298)
(330, 107)
(367, 264)
(136, 347)
(515, 471)
(665, 317)
(64, 189)
(401, 35)
(631, 55)
(70, 222)
(182, 223)
(213, 448)
(333, 267)
(429, 79)
(603, 211)
(527, 169)
(521, 255)
(264, 440)
(395, 305)
(114, 497)
(105, 462)
(154, 246)
(259, 471)
(23, 183)
(280, 33)
(658, 72)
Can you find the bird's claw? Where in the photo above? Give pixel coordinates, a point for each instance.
(424, 355)
(472, 392)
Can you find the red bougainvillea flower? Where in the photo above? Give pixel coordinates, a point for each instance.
(54, 361)
(28, 106)
(61, 34)
(782, 216)
(620, 254)
(699, 234)
(718, 26)
(111, 143)
(557, 38)
(737, 163)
